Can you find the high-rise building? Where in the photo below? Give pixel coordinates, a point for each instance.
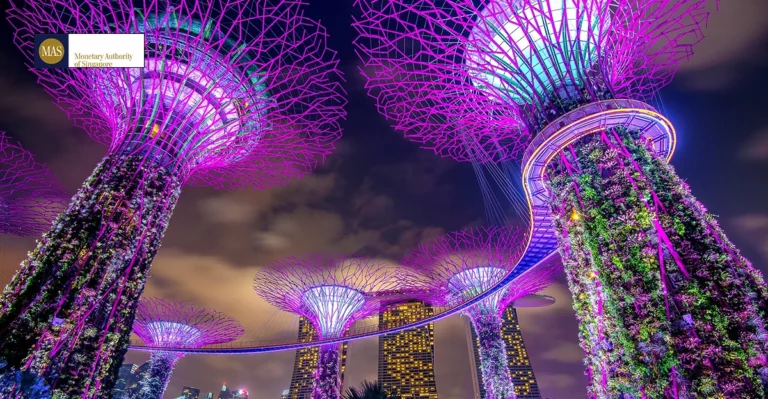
(209, 396)
(190, 393)
(407, 358)
(286, 394)
(306, 363)
(517, 358)
(225, 393)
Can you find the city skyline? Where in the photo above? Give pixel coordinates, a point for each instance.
(190, 393)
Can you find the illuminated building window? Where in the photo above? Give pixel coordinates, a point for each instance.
(406, 359)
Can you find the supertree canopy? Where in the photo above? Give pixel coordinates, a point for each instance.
(332, 291)
(30, 197)
(166, 323)
(233, 93)
(668, 308)
(459, 266)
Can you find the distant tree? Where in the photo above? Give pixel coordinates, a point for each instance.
(368, 390)
(21, 384)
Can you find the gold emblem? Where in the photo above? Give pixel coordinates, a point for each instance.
(51, 51)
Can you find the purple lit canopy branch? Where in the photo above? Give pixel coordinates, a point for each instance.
(233, 93)
(164, 323)
(461, 265)
(466, 79)
(30, 196)
(458, 266)
(332, 291)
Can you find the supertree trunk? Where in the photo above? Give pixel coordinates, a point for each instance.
(588, 304)
(668, 307)
(68, 313)
(153, 385)
(493, 356)
(327, 384)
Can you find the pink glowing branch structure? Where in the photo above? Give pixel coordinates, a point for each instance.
(30, 196)
(166, 323)
(233, 93)
(466, 78)
(332, 291)
(461, 265)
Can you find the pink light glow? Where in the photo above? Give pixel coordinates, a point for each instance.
(461, 265)
(469, 79)
(233, 93)
(166, 323)
(30, 197)
(333, 291)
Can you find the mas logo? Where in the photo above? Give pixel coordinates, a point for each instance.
(51, 51)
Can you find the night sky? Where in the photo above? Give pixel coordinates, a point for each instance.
(383, 195)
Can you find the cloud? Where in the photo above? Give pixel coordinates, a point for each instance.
(754, 227)
(564, 351)
(536, 319)
(243, 207)
(38, 105)
(225, 209)
(13, 250)
(756, 148)
(550, 335)
(452, 364)
(717, 59)
(558, 380)
(211, 282)
(733, 32)
(360, 366)
(304, 230)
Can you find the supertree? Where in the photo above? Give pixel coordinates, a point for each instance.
(164, 323)
(332, 291)
(668, 308)
(233, 93)
(30, 197)
(458, 266)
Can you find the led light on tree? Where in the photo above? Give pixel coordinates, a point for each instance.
(333, 306)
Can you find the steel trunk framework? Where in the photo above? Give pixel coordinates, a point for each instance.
(167, 323)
